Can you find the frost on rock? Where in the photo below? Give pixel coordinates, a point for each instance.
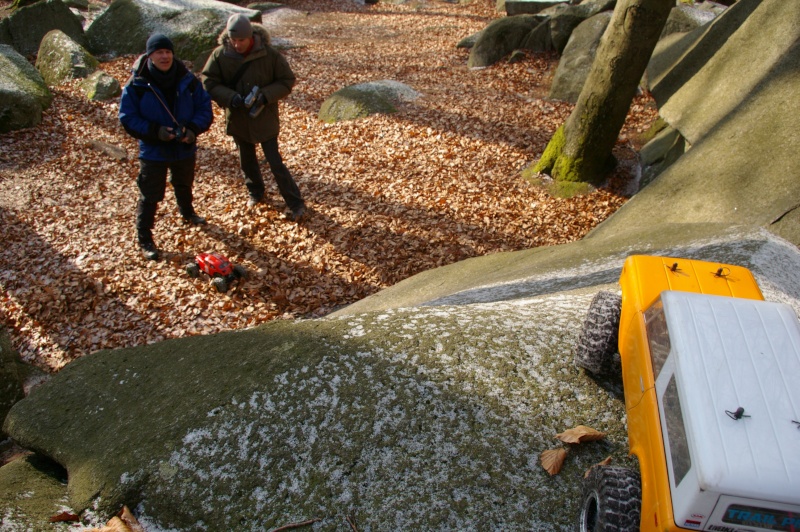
(433, 426)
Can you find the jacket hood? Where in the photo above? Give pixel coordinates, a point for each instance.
(258, 30)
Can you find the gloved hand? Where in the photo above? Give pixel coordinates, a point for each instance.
(165, 134)
(188, 136)
(237, 101)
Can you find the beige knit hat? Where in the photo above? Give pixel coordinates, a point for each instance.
(239, 27)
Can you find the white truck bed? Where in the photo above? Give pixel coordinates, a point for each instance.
(731, 353)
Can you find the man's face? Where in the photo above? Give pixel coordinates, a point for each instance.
(162, 59)
(240, 45)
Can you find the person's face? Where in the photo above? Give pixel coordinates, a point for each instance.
(240, 45)
(162, 59)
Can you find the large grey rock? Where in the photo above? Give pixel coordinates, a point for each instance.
(565, 18)
(5, 33)
(468, 41)
(101, 86)
(264, 6)
(34, 489)
(397, 419)
(697, 95)
(23, 92)
(364, 99)
(528, 7)
(25, 27)
(678, 57)
(61, 59)
(738, 111)
(684, 18)
(549, 30)
(80, 5)
(11, 377)
(193, 25)
(658, 154)
(539, 39)
(500, 38)
(576, 61)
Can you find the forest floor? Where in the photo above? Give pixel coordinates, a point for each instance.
(389, 196)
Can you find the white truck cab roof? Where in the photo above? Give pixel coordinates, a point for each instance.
(736, 365)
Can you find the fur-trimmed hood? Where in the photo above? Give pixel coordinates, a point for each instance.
(259, 31)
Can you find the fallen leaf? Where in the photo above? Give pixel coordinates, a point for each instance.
(604, 462)
(580, 434)
(553, 459)
(130, 520)
(115, 524)
(64, 517)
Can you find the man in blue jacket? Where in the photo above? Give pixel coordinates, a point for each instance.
(166, 108)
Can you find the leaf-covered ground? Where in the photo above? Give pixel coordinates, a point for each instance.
(390, 195)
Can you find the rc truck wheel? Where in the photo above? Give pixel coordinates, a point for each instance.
(598, 339)
(612, 500)
(193, 270)
(239, 271)
(220, 284)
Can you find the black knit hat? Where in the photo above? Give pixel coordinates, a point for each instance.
(158, 41)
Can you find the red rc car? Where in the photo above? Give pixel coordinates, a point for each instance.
(221, 270)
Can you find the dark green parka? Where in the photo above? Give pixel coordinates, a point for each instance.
(267, 69)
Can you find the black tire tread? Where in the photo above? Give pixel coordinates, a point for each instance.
(618, 492)
(239, 271)
(193, 270)
(220, 284)
(598, 339)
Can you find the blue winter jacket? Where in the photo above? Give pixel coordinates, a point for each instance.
(142, 114)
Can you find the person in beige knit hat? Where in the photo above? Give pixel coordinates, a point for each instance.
(247, 76)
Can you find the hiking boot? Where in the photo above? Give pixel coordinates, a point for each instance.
(195, 220)
(297, 214)
(252, 202)
(149, 250)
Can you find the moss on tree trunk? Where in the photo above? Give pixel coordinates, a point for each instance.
(580, 150)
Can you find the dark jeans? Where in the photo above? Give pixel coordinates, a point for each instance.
(252, 173)
(152, 183)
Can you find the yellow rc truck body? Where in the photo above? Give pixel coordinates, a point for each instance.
(711, 374)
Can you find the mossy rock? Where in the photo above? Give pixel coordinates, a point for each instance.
(193, 27)
(61, 59)
(364, 99)
(23, 92)
(32, 490)
(101, 86)
(11, 376)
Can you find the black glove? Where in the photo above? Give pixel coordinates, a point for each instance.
(237, 101)
(188, 136)
(165, 133)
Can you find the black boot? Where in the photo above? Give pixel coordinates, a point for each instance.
(183, 196)
(194, 219)
(149, 250)
(145, 220)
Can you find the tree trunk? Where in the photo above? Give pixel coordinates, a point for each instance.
(580, 150)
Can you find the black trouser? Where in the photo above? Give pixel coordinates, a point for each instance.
(152, 183)
(252, 173)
